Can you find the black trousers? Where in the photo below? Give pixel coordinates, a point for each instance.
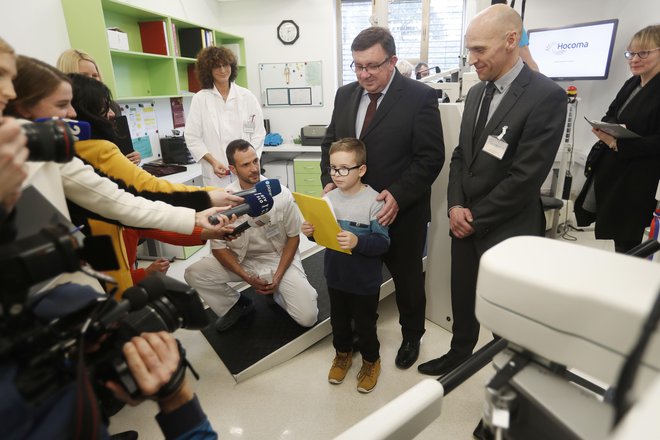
(404, 261)
(623, 246)
(464, 270)
(363, 311)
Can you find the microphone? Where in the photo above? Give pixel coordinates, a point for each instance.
(134, 298)
(269, 186)
(255, 205)
(81, 130)
(257, 222)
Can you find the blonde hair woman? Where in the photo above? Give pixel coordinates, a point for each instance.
(78, 61)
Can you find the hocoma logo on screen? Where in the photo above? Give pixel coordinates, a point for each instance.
(559, 48)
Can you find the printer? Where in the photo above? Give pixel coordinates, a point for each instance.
(312, 135)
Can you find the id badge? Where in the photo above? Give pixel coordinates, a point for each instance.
(496, 146)
(248, 126)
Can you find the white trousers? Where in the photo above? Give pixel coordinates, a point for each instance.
(295, 294)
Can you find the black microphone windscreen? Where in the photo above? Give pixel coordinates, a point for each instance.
(97, 250)
(259, 204)
(136, 296)
(154, 285)
(255, 205)
(271, 187)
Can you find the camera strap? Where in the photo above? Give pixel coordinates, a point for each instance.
(177, 378)
(87, 417)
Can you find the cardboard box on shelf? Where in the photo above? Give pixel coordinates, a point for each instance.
(117, 39)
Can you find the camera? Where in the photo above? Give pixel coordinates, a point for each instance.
(50, 140)
(51, 335)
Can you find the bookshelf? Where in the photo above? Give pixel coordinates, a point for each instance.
(135, 74)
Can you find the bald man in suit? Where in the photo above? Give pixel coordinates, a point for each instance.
(398, 120)
(511, 129)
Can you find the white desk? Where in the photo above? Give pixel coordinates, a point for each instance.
(192, 171)
(292, 148)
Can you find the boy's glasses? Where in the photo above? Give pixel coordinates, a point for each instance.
(343, 171)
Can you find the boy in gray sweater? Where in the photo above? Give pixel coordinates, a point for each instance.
(354, 279)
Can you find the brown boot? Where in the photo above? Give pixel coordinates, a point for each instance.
(368, 376)
(340, 366)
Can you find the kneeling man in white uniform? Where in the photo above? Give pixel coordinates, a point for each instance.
(265, 257)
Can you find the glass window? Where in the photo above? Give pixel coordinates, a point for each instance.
(354, 17)
(406, 22)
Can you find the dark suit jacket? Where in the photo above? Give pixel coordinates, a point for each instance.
(626, 181)
(504, 195)
(405, 147)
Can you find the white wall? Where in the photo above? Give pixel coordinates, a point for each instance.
(257, 21)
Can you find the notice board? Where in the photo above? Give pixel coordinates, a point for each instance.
(296, 84)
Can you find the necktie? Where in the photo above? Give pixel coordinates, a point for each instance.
(371, 111)
(483, 113)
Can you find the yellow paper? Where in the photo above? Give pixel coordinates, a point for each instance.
(317, 211)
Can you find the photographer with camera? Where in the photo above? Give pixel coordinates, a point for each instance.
(153, 358)
(71, 341)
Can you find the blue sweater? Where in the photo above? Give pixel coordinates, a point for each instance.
(360, 272)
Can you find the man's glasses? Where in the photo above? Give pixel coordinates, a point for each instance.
(343, 171)
(370, 68)
(642, 54)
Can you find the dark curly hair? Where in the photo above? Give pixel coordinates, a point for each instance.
(91, 101)
(211, 57)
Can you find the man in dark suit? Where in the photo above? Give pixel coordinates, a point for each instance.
(510, 133)
(398, 120)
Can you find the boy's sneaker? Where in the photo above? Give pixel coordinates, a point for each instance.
(340, 366)
(368, 376)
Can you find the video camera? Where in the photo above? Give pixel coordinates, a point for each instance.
(52, 139)
(47, 334)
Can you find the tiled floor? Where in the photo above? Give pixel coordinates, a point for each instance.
(295, 401)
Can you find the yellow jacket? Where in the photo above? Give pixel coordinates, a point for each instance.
(106, 157)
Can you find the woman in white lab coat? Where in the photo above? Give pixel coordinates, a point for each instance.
(221, 112)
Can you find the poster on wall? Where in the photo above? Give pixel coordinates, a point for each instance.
(142, 123)
(298, 84)
(178, 117)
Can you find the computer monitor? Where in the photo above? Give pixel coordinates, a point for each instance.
(578, 51)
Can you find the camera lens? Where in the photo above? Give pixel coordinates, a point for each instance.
(49, 141)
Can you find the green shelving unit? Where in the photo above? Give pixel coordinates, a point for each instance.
(134, 74)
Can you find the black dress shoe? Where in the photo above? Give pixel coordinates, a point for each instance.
(407, 354)
(441, 365)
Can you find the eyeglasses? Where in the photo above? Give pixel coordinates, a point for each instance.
(343, 171)
(370, 68)
(642, 54)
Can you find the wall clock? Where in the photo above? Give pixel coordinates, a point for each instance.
(288, 32)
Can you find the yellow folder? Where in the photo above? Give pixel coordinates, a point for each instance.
(318, 212)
